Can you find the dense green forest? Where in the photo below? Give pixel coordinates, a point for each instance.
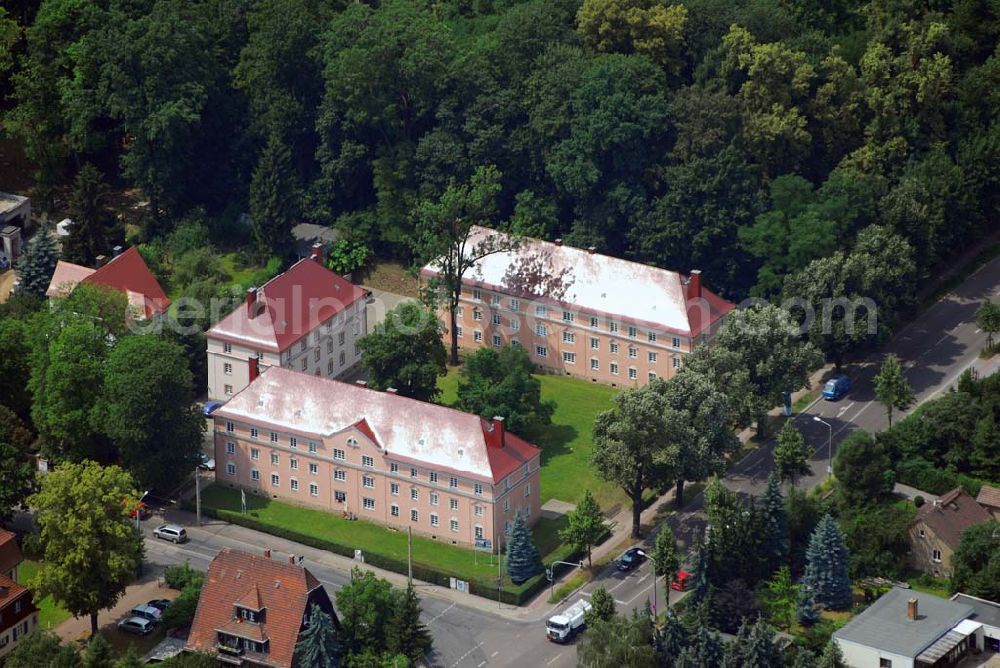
(785, 147)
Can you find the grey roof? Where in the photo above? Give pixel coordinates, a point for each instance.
(9, 202)
(985, 612)
(885, 626)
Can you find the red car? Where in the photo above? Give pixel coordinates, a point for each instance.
(680, 581)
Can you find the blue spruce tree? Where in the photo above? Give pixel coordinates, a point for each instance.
(805, 610)
(36, 266)
(317, 645)
(523, 560)
(827, 576)
(775, 524)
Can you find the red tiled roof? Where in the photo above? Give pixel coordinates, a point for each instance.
(128, 273)
(955, 512)
(989, 496)
(10, 591)
(283, 589)
(10, 552)
(290, 306)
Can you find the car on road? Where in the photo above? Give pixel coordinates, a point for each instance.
(207, 463)
(836, 387)
(680, 581)
(171, 532)
(140, 626)
(210, 407)
(160, 604)
(632, 558)
(146, 612)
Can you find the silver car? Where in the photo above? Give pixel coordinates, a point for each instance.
(171, 532)
(136, 625)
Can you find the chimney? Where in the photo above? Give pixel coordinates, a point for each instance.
(254, 365)
(558, 242)
(392, 390)
(317, 252)
(361, 383)
(694, 284)
(499, 427)
(291, 559)
(251, 302)
(267, 553)
(591, 249)
(911, 609)
(101, 260)
(116, 251)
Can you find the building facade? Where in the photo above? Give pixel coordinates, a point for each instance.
(376, 456)
(308, 319)
(937, 530)
(582, 313)
(18, 614)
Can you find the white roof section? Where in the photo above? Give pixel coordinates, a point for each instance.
(589, 280)
(10, 202)
(439, 436)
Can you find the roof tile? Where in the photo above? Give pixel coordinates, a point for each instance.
(955, 512)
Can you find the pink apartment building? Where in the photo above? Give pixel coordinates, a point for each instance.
(582, 313)
(377, 455)
(307, 319)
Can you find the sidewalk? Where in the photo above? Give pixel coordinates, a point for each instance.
(145, 589)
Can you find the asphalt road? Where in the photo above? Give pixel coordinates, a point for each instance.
(935, 349)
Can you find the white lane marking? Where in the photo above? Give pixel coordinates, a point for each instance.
(553, 659)
(625, 580)
(464, 656)
(440, 614)
(623, 602)
(481, 664)
(494, 654)
(844, 409)
(643, 577)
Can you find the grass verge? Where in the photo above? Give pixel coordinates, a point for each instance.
(50, 613)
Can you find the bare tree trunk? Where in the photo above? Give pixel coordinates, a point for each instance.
(93, 624)
(453, 313)
(637, 516)
(679, 494)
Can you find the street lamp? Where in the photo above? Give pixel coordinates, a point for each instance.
(550, 573)
(647, 556)
(138, 510)
(829, 443)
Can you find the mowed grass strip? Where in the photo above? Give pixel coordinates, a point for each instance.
(566, 443)
(50, 613)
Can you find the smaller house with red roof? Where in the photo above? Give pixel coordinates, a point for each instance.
(18, 614)
(377, 456)
(307, 319)
(125, 272)
(253, 608)
(937, 530)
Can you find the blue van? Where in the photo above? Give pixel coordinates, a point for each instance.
(836, 387)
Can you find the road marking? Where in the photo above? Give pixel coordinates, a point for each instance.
(618, 585)
(553, 659)
(494, 654)
(481, 664)
(643, 578)
(466, 655)
(844, 409)
(440, 614)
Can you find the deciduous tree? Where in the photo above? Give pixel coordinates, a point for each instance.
(86, 571)
(602, 607)
(621, 641)
(405, 352)
(15, 366)
(976, 562)
(665, 558)
(791, 454)
(892, 388)
(17, 471)
(365, 605)
(585, 525)
(499, 382)
(863, 469)
(988, 320)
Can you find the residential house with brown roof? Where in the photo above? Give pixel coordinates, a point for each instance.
(125, 272)
(379, 456)
(18, 614)
(582, 313)
(253, 608)
(308, 319)
(938, 528)
(989, 499)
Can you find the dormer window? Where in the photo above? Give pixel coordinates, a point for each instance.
(249, 615)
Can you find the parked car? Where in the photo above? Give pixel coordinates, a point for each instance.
(207, 463)
(146, 612)
(137, 625)
(171, 532)
(210, 407)
(632, 558)
(680, 581)
(836, 387)
(160, 604)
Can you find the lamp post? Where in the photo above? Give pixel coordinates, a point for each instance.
(647, 556)
(829, 443)
(550, 573)
(138, 510)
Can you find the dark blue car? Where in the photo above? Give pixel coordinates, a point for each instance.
(836, 387)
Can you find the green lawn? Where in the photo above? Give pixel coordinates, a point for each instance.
(377, 539)
(566, 443)
(50, 614)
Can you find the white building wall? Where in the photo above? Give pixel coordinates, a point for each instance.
(862, 656)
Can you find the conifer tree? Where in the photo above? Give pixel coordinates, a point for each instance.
(671, 636)
(407, 635)
(827, 574)
(805, 610)
(775, 524)
(754, 647)
(36, 266)
(699, 572)
(92, 220)
(705, 651)
(98, 654)
(523, 560)
(831, 657)
(274, 200)
(317, 645)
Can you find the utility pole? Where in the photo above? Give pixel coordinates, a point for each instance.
(499, 576)
(409, 556)
(197, 497)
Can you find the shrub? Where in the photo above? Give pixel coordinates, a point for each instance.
(346, 256)
(181, 611)
(918, 501)
(179, 577)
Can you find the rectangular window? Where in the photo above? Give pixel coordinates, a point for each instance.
(274, 459)
(228, 389)
(341, 497)
(274, 437)
(633, 352)
(329, 347)
(453, 483)
(936, 556)
(230, 427)
(313, 489)
(541, 351)
(496, 319)
(305, 364)
(434, 519)
(541, 310)
(255, 475)
(340, 338)
(369, 504)
(613, 327)
(231, 468)
(541, 330)
(414, 494)
(313, 468)
(394, 489)
(515, 325)
(515, 305)
(497, 342)
(254, 454)
(227, 347)
(393, 467)
(477, 294)
(342, 360)
(460, 311)
(652, 337)
(477, 315)
(479, 511)
(414, 515)
(477, 488)
(275, 481)
(569, 358)
(302, 345)
(632, 373)
(329, 368)
(432, 476)
(594, 322)
(652, 375)
(595, 364)
(367, 461)
(632, 332)
(477, 336)
(253, 432)
(230, 448)
(567, 316)
(316, 355)
(454, 525)
(676, 362)
(614, 368)
(495, 299)
(340, 475)
(479, 532)
(368, 481)
(527, 489)
(453, 504)
(338, 454)
(413, 472)
(313, 446)
(884, 663)
(458, 331)
(569, 337)
(294, 484)
(394, 510)
(293, 464)
(613, 346)
(227, 369)
(651, 357)
(515, 343)
(595, 343)
(675, 342)
(506, 505)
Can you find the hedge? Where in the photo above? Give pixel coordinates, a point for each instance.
(926, 477)
(485, 587)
